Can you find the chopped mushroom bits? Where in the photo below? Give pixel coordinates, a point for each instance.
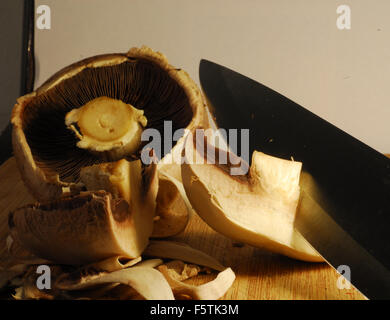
(152, 279)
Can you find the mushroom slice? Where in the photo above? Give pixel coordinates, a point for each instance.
(148, 282)
(47, 152)
(212, 290)
(257, 208)
(107, 125)
(91, 226)
(172, 211)
(113, 264)
(150, 263)
(181, 251)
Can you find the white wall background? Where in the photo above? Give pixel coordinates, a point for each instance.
(292, 46)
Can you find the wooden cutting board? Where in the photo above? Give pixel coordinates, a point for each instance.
(260, 274)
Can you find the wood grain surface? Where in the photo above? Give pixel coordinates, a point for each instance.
(260, 274)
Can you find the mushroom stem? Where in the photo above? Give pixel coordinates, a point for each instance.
(107, 125)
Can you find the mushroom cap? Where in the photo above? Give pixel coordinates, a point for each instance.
(45, 150)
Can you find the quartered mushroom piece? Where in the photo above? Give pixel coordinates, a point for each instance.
(257, 208)
(93, 225)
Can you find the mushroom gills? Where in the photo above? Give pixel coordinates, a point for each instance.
(257, 208)
(107, 125)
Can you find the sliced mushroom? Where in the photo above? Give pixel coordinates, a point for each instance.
(181, 251)
(172, 211)
(113, 264)
(150, 263)
(147, 281)
(257, 208)
(48, 153)
(93, 225)
(212, 290)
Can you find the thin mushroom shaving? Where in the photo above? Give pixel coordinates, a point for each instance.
(114, 263)
(172, 209)
(150, 263)
(209, 291)
(148, 282)
(181, 251)
(118, 278)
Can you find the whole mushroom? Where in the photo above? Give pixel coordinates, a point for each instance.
(77, 143)
(140, 86)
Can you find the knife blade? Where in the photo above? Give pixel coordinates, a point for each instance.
(344, 210)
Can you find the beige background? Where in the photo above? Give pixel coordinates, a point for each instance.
(292, 46)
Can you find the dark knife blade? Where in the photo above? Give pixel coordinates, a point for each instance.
(345, 205)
